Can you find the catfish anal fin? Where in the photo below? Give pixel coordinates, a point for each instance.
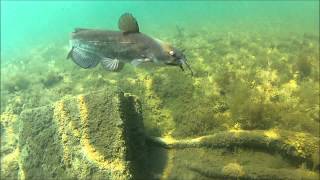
(112, 64)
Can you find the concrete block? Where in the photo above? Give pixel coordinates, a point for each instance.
(99, 135)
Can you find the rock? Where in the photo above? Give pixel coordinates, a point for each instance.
(100, 135)
(207, 164)
(240, 154)
(94, 136)
(297, 147)
(9, 150)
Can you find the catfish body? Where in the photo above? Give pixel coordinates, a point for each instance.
(113, 49)
(117, 45)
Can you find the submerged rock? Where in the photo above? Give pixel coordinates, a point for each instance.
(8, 144)
(100, 135)
(240, 154)
(95, 136)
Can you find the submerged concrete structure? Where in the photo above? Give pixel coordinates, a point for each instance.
(94, 136)
(100, 135)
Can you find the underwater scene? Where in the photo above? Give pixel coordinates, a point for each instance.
(168, 90)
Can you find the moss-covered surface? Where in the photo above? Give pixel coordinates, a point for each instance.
(87, 137)
(9, 149)
(243, 81)
(297, 148)
(253, 81)
(225, 164)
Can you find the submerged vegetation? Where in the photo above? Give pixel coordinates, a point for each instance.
(241, 81)
(245, 81)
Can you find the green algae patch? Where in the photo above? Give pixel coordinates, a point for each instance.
(224, 163)
(241, 154)
(244, 81)
(9, 150)
(92, 136)
(298, 148)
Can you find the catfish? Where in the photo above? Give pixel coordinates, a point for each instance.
(114, 49)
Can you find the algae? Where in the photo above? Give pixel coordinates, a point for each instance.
(297, 147)
(91, 136)
(243, 81)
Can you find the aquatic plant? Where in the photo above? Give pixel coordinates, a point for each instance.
(51, 79)
(15, 82)
(9, 149)
(242, 81)
(233, 170)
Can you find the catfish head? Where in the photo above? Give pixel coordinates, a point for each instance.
(172, 56)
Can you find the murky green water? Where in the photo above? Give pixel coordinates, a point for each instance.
(24, 24)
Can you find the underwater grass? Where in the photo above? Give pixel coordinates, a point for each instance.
(248, 81)
(242, 81)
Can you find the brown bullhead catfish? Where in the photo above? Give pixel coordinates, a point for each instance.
(113, 49)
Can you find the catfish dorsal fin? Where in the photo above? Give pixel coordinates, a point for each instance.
(128, 24)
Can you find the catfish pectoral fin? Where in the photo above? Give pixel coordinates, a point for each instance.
(70, 53)
(84, 58)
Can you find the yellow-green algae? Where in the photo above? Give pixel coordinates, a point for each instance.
(245, 81)
(9, 149)
(74, 139)
(298, 147)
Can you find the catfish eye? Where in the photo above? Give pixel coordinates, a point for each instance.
(171, 53)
